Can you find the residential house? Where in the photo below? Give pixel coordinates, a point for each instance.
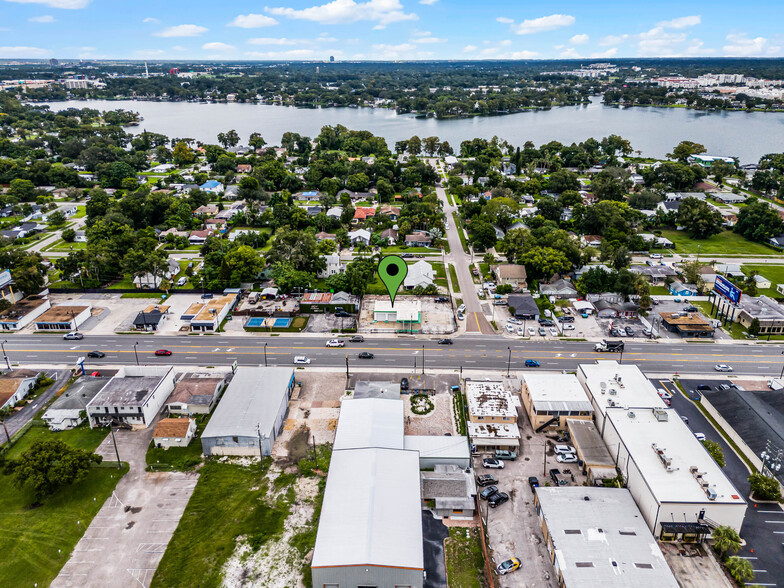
(578, 273)
(512, 274)
(393, 212)
(7, 288)
(777, 241)
(206, 210)
(172, 432)
(212, 187)
(363, 212)
(732, 270)
(244, 168)
(15, 385)
(70, 408)
(419, 274)
(310, 195)
(359, 237)
(199, 237)
(333, 266)
(81, 236)
(231, 192)
(150, 282)
(728, 197)
(418, 239)
(523, 306)
(657, 275)
(335, 212)
(322, 236)
(761, 282)
(607, 309)
(195, 393)
(560, 288)
(591, 240)
(391, 235)
(678, 288)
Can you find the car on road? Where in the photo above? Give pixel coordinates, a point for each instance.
(509, 566)
(531, 363)
(533, 482)
(542, 332)
(492, 463)
(164, 352)
(722, 367)
(488, 492)
(406, 255)
(566, 458)
(656, 256)
(676, 300)
(531, 331)
(700, 436)
(553, 331)
(690, 308)
(497, 499)
(486, 480)
(365, 355)
(301, 360)
(629, 331)
(357, 339)
(663, 393)
(505, 454)
(564, 449)
(74, 336)
(445, 341)
(336, 343)
(96, 354)
(96, 374)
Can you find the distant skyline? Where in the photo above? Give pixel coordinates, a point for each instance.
(387, 29)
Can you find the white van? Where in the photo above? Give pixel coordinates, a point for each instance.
(253, 298)
(182, 281)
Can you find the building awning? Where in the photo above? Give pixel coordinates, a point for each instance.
(684, 527)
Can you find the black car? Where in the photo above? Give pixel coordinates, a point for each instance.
(342, 314)
(497, 498)
(566, 319)
(365, 355)
(406, 255)
(486, 480)
(206, 296)
(442, 299)
(445, 341)
(404, 384)
(704, 387)
(690, 309)
(614, 332)
(629, 331)
(546, 323)
(357, 339)
(488, 492)
(533, 482)
(96, 354)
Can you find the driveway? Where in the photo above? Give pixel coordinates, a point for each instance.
(433, 534)
(127, 538)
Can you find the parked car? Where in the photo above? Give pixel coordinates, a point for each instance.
(510, 328)
(406, 255)
(441, 299)
(96, 354)
(365, 355)
(647, 332)
(685, 419)
(514, 321)
(704, 387)
(301, 360)
(542, 332)
(557, 477)
(663, 393)
(615, 332)
(722, 367)
(566, 319)
(690, 308)
(488, 492)
(342, 314)
(566, 458)
(357, 339)
(96, 374)
(460, 316)
(700, 436)
(656, 256)
(553, 331)
(520, 331)
(206, 296)
(568, 327)
(531, 332)
(533, 482)
(445, 341)
(165, 352)
(75, 335)
(563, 449)
(182, 281)
(531, 363)
(404, 384)
(461, 308)
(492, 463)
(509, 566)
(629, 331)
(497, 499)
(486, 480)
(505, 454)
(336, 343)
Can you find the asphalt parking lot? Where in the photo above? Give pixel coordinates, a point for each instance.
(433, 534)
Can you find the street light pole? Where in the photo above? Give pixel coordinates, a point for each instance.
(117, 453)
(5, 357)
(423, 360)
(347, 375)
(508, 361)
(781, 375)
(136, 353)
(265, 355)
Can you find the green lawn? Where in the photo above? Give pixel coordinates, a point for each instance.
(404, 249)
(774, 273)
(453, 277)
(440, 273)
(460, 232)
(464, 561)
(141, 295)
(182, 459)
(61, 245)
(81, 212)
(726, 243)
(660, 291)
(125, 284)
(449, 198)
(36, 542)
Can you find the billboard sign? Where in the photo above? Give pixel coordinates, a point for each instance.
(723, 287)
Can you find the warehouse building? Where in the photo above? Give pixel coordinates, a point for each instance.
(132, 397)
(21, 314)
(598, 464)
(596, 537)
(679, 489)
(250, 415)
(550, 399)
(63, 318)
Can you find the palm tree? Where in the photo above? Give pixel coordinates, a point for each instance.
(725, 540)
(740, 569)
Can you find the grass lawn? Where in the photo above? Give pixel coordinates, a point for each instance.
(36, 542)
(460, 231)
(61, 245)
(125, 284)
(449, 198)
(774, 273)
(81, 212)
(181, 459)
(453, 277)
(440, 273)
(141, 295)
(404, 249)
(464, 561)
(726, 243)
(659, 291)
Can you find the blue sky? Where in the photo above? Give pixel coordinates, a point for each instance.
(387, 29)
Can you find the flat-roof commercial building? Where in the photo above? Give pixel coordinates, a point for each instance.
(195, 393)
(769, 312)
(207, 315)
(22, 313)
(403, 311)
(250, 415)
(63, 318)
(678, 487)
(492, 416)
(550, 399)
(133, 396)
(596, 537)
(598, 464)
(437, 450)
(687, 324)
(370, 422)
(67, 411)
(611, 385)
(452, 490)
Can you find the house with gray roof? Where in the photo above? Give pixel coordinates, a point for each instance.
(70, 408)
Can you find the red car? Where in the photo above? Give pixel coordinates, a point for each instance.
(163, 352)
(96, 374)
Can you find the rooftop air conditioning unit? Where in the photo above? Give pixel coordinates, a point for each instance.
(631, 414)
(711, 494)
(613, 392)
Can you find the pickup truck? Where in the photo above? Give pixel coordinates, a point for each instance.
(558, 478)
(609, 346)
(505, 454)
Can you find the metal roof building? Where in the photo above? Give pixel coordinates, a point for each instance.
(549, 399)
(251, 412)
(602, 542)
(370, 422)
(66, 412)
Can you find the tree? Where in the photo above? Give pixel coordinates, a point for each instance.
(692, 275)
(721, 169)
(715, 451)
(757, 221)
(644, 200)
(57, 218)
(229, 139)
(605, 186)
(754, 327)
(547, 207)
(165, 285)
(256, 141)
(563, 180)
(764, 487)
(686, 149)
(740, 569)
(182, 154)
(22, 190)
(725, 540)
(5, 412)
(543, 262)
(50, 465)
(698, 218)
(69, 235)
(414, 145)
(482, 233)
(431, 145)
(287, 278)
(504, 289)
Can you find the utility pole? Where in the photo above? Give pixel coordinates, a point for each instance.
(136, 353)
(508, 361)
(544, 463)
(117, 453)
(315, 453)
(5, 356)
(347, 374)
(265, 355)
(423, 360)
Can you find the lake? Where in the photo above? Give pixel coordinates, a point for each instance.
(653, 131)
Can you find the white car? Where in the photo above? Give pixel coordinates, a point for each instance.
(568, 327)
(700, 436)
(531, 331)
(553, 331)
(515, 321)
(566, 458)
(722, 367)
(336, 343)
(301, 360)
(520, 331)
(564, 449)
(461, 309)
(664, 394)
(656, 256)
(510, 328)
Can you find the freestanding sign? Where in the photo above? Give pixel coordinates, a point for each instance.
(723, 287)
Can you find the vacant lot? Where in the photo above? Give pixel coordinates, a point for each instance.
(37, 542)
(464, 562)
(726, 243)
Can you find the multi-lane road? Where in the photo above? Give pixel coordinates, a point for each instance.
(469, 352)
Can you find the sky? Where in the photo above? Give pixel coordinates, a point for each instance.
(388, 29)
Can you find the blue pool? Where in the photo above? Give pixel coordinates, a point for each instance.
(258, 321)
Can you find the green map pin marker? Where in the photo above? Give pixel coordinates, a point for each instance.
(392, 270)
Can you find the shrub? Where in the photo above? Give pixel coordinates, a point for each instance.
(765, 487)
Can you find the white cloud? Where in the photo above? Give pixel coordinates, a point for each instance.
(428, 2)
(425, 37)
(217, 46)
(469, 48)
(293, 54)
(179, 48)
(604, 54)
(23, 52)
(570, 53)
(253, 21)
(184, 30)
(151, 19)
(739, 45)
(402, 47)
(659, 43)
(46, 18)
(681, 22)
(519, 55)
(282, 41)
(579, 39)
(544, 23)
(65, 4)
(504, 20)
(383, 12)
(612, 40)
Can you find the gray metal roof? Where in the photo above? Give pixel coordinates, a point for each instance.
(79, 394)
(130, 390)
(250, 402)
